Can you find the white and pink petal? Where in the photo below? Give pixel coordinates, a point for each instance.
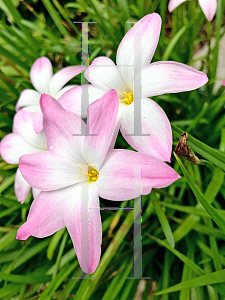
(105, 75)
(174, 4)
(170, 77)
(63, 130)
(46, 171)
(41, 74)
(22, 125)
(13, 147)
(153, 134)
(61, 77)
(144, 33)
(209, 8)
(28, 98)
(102, 115)
(127, 174)
(72, 99)
(82, 211)
(21, 187)
(46, 215)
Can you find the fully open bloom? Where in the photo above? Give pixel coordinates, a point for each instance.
(156, 79)
(74, 164)
(208, 6)
(22, 141)
(42, 78)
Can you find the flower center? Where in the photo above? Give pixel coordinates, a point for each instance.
(92, 174)
(129, 98)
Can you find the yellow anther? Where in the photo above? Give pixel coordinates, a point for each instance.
(129, 98)
(92, 174)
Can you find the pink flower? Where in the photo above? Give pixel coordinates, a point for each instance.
(44, 81)
(83, 163)
(223, 83)
(157, 78)
(208, 6)
(22, 141)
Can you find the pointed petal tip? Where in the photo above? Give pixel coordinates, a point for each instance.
(89, 270)
(112, 93)
(22, 233)
(209, 8)
(45, 98)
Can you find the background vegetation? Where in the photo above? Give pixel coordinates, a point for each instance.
(183, 227)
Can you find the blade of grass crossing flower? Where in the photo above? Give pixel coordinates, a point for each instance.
(54, 243)
(181, 256)
(173, 43)
(212, 278)
(202, 199)
(164, 223)
(55, 17)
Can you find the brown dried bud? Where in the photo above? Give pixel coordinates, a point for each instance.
(183, 150)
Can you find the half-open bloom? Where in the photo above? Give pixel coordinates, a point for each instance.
(156, 79)
(77, 164)
(208, 6)
(22, 141)
(43, 80)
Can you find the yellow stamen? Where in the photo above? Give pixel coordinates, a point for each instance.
(92, 174)
(129, 98)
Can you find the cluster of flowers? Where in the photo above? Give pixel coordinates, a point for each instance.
(61, 156)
